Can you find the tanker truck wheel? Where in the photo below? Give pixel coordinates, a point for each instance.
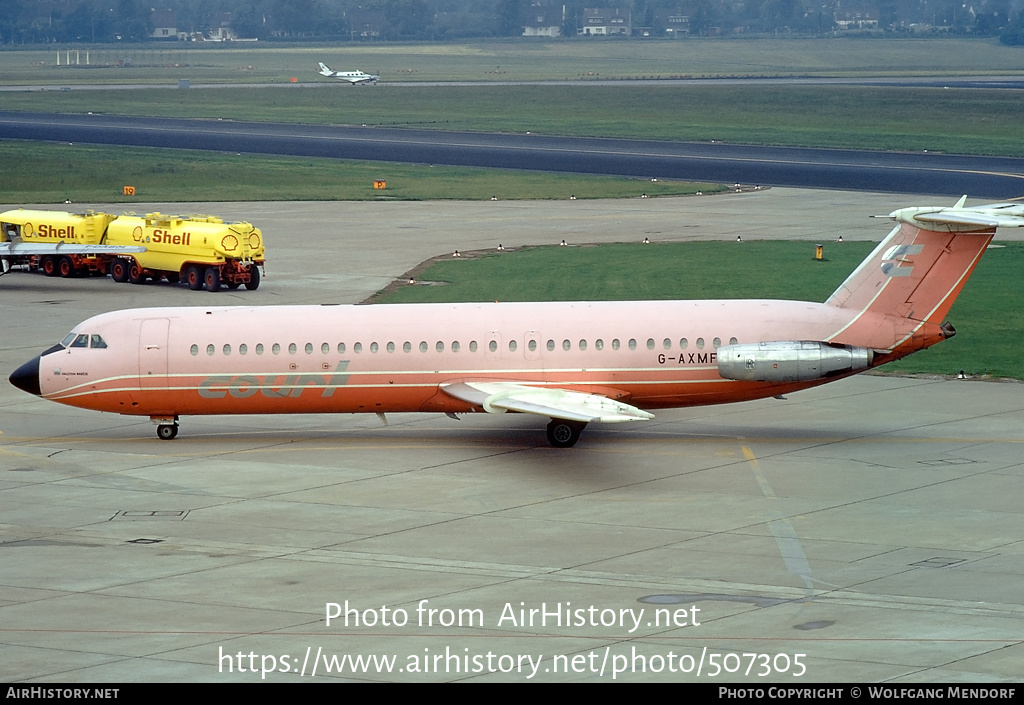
(66, 267)
(136, 274)
(194, 278)
(254, 278)
(119, 270)
(212, 278)
(49, 266)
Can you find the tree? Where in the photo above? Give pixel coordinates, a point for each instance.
(510, 17)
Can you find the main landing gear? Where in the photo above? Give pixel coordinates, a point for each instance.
(564, 434)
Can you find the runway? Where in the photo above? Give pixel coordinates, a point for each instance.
(865, 531)
(991, 178)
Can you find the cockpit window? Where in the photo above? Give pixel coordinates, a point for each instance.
(83, 340)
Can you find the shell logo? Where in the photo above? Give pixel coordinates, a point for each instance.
(254, 240)
(137, 234)
(229, 243)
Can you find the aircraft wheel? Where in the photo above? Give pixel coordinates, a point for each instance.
(49, 266)
(212, 279)
(119, 270)
(136, 275)
(254, 278)
(66, 267)
(167, 431)
(194, 278)
(564, 434)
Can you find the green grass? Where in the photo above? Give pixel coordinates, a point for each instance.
(514, 60)
(987, 315)
(85, 173)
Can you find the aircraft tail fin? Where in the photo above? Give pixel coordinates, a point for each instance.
(325, 70)
(918, 270)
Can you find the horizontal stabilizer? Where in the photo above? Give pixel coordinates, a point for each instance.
(498, 397)
(25, 249)
(960, 219)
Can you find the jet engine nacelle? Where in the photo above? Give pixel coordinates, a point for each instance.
(790, 360)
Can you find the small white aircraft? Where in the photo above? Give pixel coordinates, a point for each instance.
(352, 77)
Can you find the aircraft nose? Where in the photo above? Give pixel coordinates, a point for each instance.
(26, 377)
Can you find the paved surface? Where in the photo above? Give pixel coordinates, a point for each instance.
(873, 525)
(927, 172)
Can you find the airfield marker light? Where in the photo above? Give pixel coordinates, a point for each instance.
(818, 252)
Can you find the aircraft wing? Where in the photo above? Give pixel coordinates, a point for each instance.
(498, 397)
(20, 249)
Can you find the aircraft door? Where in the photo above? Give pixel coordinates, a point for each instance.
(153, 353)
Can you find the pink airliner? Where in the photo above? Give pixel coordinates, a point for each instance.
(574, 362)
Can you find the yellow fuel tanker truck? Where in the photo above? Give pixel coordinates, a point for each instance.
(203, 251)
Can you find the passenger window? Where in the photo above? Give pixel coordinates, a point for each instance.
(276, 349)
(700, 343)
(615, 343)
(599, 344)
(493, 346)
(439, 346)
(566, 345)
(243, 349)
(210, 349)
(341, 348)
(406, 346)
(391, 347)
(512, 346)
(733, 341)
(357, 348)
(683, 343)
(717, 342)
(309, 348)
(324, 348)
(583, 345)
(650, 343)
(532, 345)
(472, 346)
(455, 346)
(423, 346)
(194, 350)
(227, 349)
(667, 344)
(97, 342)
(292, 348)
(632, 343)
(551, 345)
(374, 347)
(259, 348)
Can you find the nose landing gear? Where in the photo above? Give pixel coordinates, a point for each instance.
(166, 427)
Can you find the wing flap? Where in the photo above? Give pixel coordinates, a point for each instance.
(498, 397)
